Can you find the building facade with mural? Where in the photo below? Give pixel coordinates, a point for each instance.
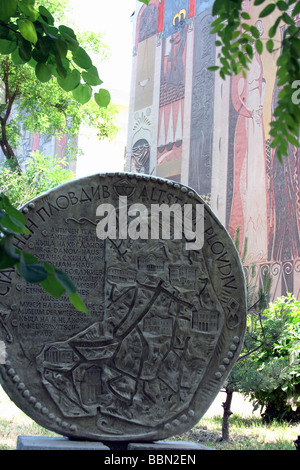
(188, 125)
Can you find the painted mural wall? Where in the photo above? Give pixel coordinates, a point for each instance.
(188, 125)
(53, 146)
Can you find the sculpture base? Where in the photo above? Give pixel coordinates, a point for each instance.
(64, 443)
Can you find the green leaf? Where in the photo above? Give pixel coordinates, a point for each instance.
(8, 8)
(65, 30)
(43, 72)
(245, 15)
(102, 98)
(273, 29)
(32, 63)
(62, 68)
(82, 59)
(82, 93)
(78, 303)
(13, 213)
(27, 30)
(25, 49)
(296, 10)
(51, 284)
(7, 46)
(218, 6)
(38, 56)
(33, 273)
(213, 68)
(46, 45)
(70, 82)
(259, 46)
(249, 50)
(12, 225)
(69, 36)
(28, 11)
(218, 20)
(3, 32)
(62, 47)
(217, 28)
(246, 26)
(6, 261)
(30, 269)
(91, 76)
(65, 281)
(258, 2)
(52, 32)
(46, 15)
(270, 45)
(28, 258)
(254, 32)
(292, 139)
(267, 10)
(9, 248)
(287, 19)
(242, 59)
(282, 6)
(58, 282)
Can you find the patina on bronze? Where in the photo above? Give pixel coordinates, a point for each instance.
(166, 324)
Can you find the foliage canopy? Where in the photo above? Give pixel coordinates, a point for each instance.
(42, 173)
(28, 34)
(36, 92)
(269, 370)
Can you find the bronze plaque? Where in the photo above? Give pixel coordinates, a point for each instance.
(167, 317)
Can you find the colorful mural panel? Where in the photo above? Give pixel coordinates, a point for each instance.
(214, 135)
(171, 101)
(262, 193)
(202, 109)
(53, 146)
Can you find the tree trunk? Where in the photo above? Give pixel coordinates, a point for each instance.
(7, 149)
(5, 146)
(226, 414)
(9, 101)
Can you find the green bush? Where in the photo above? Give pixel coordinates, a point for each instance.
(276, 383)
(42, 173)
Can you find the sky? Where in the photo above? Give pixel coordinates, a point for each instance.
(112, 18)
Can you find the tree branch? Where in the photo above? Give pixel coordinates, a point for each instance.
(249, 352)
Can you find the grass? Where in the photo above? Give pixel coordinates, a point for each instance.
(246, 432)
(14, 423)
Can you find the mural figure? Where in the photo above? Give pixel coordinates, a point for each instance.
(140, 156)
(249, 206)
(284, 238)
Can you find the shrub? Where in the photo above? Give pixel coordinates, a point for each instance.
(276, 384)
(42, 173)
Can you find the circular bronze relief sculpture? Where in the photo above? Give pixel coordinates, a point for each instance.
(167, 312)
